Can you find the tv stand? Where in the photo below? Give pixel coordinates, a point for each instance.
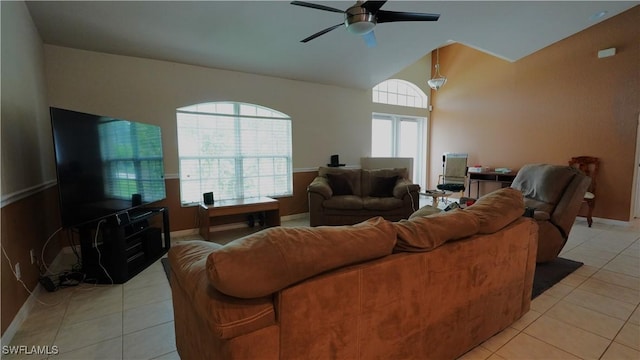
(135, 215)
(120, 246)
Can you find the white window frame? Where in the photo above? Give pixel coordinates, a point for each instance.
(399, 92)
(419, 163)
(280, 175)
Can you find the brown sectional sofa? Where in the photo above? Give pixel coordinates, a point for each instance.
(339, 196)
(429, 288)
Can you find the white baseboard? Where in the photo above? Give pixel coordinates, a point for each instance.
(606, 221)
(32, 300)
(21, 316)
(294, 216)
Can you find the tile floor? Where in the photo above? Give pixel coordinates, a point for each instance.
(591, 314)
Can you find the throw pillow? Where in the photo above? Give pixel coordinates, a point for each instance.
(340, 184)
(498, 209)
(270, 260)
(425, 233)
(383, 186)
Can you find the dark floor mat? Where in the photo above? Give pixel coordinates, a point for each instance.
(549, 274)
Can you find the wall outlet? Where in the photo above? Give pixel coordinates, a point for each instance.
(18, 272)
(32, 254)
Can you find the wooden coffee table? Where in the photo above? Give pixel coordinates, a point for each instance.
(268, 207)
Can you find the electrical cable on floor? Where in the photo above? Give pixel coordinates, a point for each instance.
(4, 252)
(95, 244)
(72, 243)
(44, 263)
(64, 278)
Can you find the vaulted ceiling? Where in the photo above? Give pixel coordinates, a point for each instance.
(263, 37)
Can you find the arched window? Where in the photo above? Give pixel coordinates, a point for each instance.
(234, 150)
(399, 92)
(401, 135)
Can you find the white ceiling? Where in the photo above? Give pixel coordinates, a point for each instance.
(263, 37)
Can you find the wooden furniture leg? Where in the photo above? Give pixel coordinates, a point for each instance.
(590, 204)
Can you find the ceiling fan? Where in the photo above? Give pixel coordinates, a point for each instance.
(361, 18)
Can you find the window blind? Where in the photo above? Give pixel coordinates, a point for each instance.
(234, 150)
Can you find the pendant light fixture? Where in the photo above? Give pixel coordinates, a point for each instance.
(438, 81)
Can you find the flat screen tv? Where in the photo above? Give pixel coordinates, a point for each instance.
(104, 165)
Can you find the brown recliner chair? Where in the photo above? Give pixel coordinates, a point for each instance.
(340, 196)
(555, 194)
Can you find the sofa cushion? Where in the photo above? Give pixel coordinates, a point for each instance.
(425, 233)
(370, 178)
(353, 176)
(226, 316)
(350, 202)
(382, 203)
(270, 260)
(497, 209)
(382, 186)
(340, 184)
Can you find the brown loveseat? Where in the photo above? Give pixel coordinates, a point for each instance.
(372, 290)
(340, 196)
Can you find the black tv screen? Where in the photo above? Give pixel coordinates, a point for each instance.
(105, 165)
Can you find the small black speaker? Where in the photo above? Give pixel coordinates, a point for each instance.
(136, 199)
(335, 161)
(208, 198)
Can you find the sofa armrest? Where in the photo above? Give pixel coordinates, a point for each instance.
(320, 185)
(539, 215)
(404, 187)
(226, 316)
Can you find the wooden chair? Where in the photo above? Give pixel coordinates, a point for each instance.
(589, 166)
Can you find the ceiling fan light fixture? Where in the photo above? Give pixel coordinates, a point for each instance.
(438, 80)
(360, 28)
(359, 21)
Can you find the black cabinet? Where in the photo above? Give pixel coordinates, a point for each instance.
(117, 248)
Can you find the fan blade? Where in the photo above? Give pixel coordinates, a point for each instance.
(321, 33)
(373, 6)
(391, 16)
(370, 39)
(316, 6)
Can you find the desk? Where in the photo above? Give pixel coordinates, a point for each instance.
(505, 179)
(267, 206)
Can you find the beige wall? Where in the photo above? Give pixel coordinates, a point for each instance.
(325, 118)
(559, 102)
(27, 150)
(29, 211)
